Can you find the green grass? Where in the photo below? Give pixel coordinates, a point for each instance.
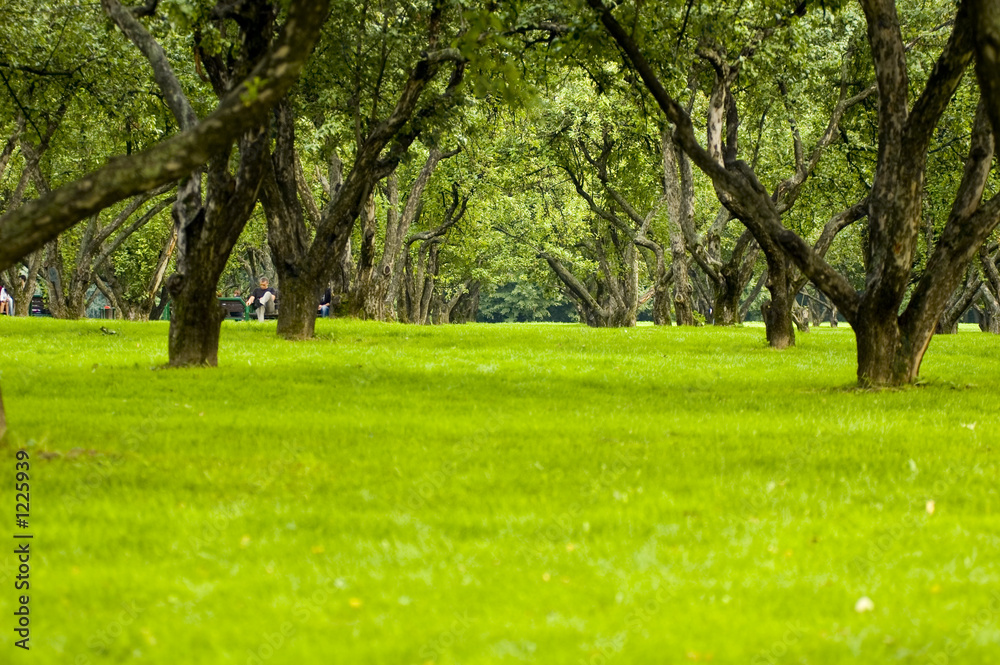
(500, 494)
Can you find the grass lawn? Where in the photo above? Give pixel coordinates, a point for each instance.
(499, 494)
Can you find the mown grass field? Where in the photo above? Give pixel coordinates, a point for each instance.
(500, 494)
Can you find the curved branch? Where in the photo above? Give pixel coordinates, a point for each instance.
(32, 225)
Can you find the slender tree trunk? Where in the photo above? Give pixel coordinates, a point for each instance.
(989, 316)
(367, 301)
(801, 317)
(661, 294)
(679, 189)
(23, 295)
(156, 312)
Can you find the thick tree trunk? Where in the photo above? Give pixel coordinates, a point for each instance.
(683, 306)
(727, 299)
(886, 356)
(466, 306)
(371, 298)
(75, 306)
(367, 301)
(777, 312)
(299, 299)
(195, 322)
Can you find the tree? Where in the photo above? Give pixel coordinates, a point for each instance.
(90, 254)
(420, 271)
(207, 231)
(890, 344)
(306, 260)
(33, 224)
(378, 285)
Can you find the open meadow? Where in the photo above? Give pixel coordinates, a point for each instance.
(501, 494)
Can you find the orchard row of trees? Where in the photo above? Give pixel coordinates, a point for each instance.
(700, 159)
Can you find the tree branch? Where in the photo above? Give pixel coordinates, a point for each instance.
(35, 223)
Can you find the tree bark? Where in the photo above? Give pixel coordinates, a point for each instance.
(679, 191)
(195, 323)
(777, 312)
(990, 314)
(299, 299)
(727, 297)
(661, 292)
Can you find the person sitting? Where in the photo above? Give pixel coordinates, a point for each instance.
(7, 301)
(262, 299)
(324, 304)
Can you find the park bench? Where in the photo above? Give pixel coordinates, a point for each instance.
(37, 307)
(235, 309)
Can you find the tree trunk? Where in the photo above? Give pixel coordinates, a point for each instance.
(371, 297)
(661, 298)
(299, 299)
(777, 312)
(366, 303)
(195, 322)
(989, 319)
(75, 307)
(727, 297)
(23, 295)
(156, 312)
(801, 317)
(679, 188)
(887, 357)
